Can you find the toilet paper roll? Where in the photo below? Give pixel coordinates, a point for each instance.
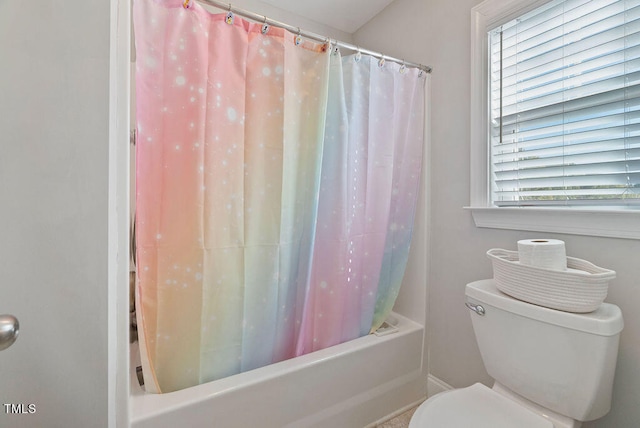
(544, 253)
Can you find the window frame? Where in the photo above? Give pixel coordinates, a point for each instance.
(615, 222)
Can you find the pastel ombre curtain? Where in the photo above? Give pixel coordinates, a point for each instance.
(276, 188)
(230, 132)
(370, 181)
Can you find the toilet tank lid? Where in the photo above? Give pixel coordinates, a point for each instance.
(604, 321)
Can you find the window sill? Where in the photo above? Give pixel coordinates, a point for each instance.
(591, 222)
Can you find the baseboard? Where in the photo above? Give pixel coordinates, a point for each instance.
(435, 386)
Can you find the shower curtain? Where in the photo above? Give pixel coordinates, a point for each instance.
(276, 188)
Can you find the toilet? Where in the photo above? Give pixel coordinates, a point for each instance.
(551, 369)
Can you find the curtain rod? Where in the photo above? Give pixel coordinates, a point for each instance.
(306, 34)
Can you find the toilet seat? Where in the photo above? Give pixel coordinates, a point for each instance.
(475, 406)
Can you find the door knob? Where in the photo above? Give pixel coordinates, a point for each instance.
(9, 327)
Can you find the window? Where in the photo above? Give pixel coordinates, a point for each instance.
(565, 105)
(555, 116)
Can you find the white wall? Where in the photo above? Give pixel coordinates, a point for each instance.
(54, 130)
(437, 33)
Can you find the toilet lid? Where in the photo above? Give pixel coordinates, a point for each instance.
(477, 407)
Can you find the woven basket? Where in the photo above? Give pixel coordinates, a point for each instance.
(581, 288)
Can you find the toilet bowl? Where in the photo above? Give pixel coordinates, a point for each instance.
(536, 356)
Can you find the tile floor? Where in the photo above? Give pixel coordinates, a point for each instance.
(400, 421)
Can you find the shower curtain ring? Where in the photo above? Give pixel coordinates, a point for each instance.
(229, 19)
(298, 38)
(327, 44)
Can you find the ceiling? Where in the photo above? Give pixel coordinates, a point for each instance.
(345, 15)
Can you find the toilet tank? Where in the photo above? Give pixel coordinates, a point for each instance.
(559, 360)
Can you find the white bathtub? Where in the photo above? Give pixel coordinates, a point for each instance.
(353, 384)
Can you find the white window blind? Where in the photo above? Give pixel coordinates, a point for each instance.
(565, 105)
